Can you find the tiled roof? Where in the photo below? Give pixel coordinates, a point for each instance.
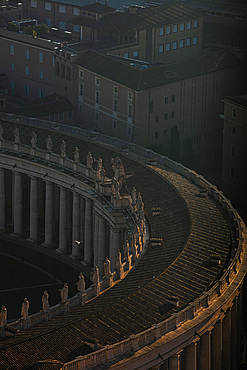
(44, 106)
(116, 4)
(145, 18)
(240, 100)
(191, 227)
(132, 76)
(98, 8)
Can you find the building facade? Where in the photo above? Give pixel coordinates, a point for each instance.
(234, 157)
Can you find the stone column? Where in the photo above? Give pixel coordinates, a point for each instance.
(2, 199)
(217, 346)
(175, 361)
(227, 341)
(17, 203)
(114, 246)
(76, 225)
(95, 239)
(33, 208)
(88, 232)
(101, 245)
(62, 221)
(48, 214)
(205, 351)
(191, 357)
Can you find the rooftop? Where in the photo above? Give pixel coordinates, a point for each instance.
(142, 18)
(137, 77)
(240, 100)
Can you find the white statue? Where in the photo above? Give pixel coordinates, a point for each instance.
(103, 175)
(118, 260)
(33, 140)
(49, 144)
(96, 276)
(45, 302)
(63, 149)
(3, 317)
(81, 284)
(107, 267)
(125, 248)
(64, 292)
(99, 168)
(89, 160)
(16, 135)
(133, 195)
(24, 309)
(77, 155)
(1, 135)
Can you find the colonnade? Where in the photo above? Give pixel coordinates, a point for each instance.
(213, 348)
(65, 218)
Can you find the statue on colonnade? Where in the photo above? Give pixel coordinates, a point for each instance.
(45, 302)
(49, 144)
(3, 317)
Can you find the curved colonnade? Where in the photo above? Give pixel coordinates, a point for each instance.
(181, 306)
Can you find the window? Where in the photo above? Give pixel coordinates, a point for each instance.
(234, 112)
(182, 26)
(48, 22)
(129, 130)
(115, 89)
(130, 95)
(233, 151)
(135, 54)
(195, 23)
(12, 66)
(115, 105)
(161, 31)
(161, 48)
(114, 123)
(97, 97)
(174, 45)
(168, 30)
(188, 25)
(233, 130)
(96, 116)
(76, 11)
(130, 110)
(168, 46)
(175, 28)
(181, 44)
(26, 90)
(81, 89)
(80, 108)
(27, 55)
(41, 57)
(41, 74)
(173, 114)
(12, 87)
(61, 25)
(188, 41)
(12, 49)
(61, 8)
(81, 73)
(76, 28)
(173, 98)
(156, 119)
(166, 116)
(33, 3)
(156, 135)
(27, 70)
(41, 93)
(60, 116)
(195, 40)
(97, 81)
(47, 6)
(126, 55)
(166, 100)
(69, 114)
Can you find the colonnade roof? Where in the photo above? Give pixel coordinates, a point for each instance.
(192, 228)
